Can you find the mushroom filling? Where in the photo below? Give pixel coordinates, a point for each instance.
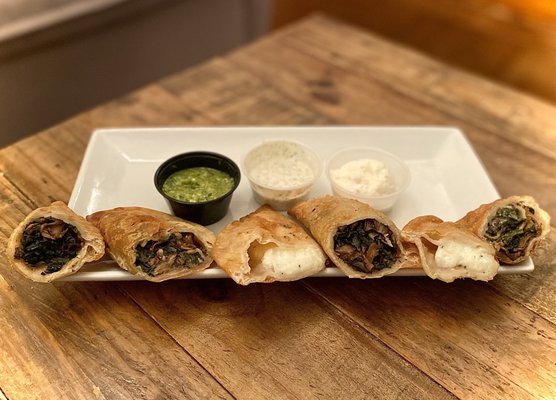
(511, 230)
(49, 243)
(179, 250)
(366, 245)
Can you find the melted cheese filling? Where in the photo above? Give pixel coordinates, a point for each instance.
(283, 263)
(475, 259)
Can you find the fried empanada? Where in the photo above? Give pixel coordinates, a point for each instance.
(267, 246)
(514, 226)
(152, 244)
(361, 241)
(449, 251)
(53, 242)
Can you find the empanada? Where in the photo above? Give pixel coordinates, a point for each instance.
(449, 251)
(53, 242)
(514, 226)
(152, 244)
(267, 246)
(361, 241)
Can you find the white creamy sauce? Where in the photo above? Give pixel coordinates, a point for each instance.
(281, 166)
(474, 258)
(283, 262)
(365, 176)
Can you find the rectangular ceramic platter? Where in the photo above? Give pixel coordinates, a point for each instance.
(447, 178)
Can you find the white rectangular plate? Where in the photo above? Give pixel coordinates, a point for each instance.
(447, 178)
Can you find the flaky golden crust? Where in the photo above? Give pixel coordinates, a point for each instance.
(92, 250)
(477, 222)
(427, 233)
(123, 228)
(324, 215)
(264, 226)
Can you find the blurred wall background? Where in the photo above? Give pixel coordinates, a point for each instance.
(60, 57)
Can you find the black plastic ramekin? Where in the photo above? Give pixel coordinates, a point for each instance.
(204, 213)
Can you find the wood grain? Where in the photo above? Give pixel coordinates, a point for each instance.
(242, 97)
(89, 340)
(321, 338)
(508, 41)
(84, 340)
(466, 363)
(537, 290)
(279, 341)
(482, 347)
(333, 84)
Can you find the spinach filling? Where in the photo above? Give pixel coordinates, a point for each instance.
(179, 250)
(511, 230)
(49, 242)
(366, 245)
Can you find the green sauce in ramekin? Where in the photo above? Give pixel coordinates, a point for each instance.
(198, 184)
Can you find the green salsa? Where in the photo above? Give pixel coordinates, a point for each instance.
(198, 184)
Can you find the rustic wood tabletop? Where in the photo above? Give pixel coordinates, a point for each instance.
(391, 338)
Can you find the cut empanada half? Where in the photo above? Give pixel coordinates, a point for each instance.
(448, 251)
(267, 246)
(513, 225)
(361, 241)
(53, 242)
(154, 245)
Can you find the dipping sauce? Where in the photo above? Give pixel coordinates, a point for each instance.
(281, 172)
(198, 184)
(281, 165)
(364, 177)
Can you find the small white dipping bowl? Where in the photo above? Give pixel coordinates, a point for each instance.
(283, 155)
(397, 168)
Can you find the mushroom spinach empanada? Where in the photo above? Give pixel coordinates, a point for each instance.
(53, 242)
(152, 244)
(361, 241)
(514, 226)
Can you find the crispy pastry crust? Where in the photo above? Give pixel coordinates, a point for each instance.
(477, 221)
(426, 233)
(264, 226)
(324, 215)
(123, 228)
(93, 244)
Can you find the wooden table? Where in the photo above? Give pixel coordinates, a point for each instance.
(392, 338)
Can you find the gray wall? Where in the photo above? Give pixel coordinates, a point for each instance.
(53, 82)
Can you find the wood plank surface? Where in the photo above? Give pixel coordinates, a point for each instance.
(280, 341)
(508, 41)
(338, 84)
(502, 111)
(87, 340)
(474, 342)
(319, 338)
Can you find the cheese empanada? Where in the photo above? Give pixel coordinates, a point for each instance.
(449, 251)
(267, 246)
